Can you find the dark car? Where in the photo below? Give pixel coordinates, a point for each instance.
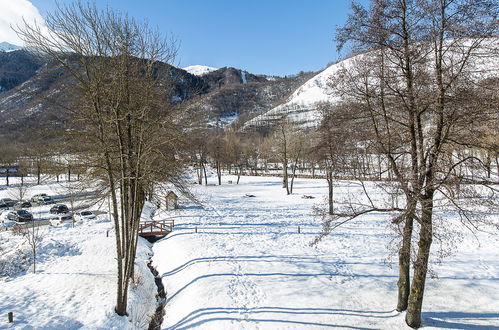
(58, 209)
(46, 200)
(20, 216)
(9, 202)
(24, 204)
(3, 206)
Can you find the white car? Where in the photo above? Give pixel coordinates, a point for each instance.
(84, 215)
(57, 219)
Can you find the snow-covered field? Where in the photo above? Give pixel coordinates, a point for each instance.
(247, 267)
(239, 262)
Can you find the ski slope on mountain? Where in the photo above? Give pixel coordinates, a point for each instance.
(199, 70)
(242, 262)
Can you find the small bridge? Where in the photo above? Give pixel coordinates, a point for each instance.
(156, 228)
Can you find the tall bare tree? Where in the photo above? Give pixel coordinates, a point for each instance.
(425, 59)
(118, 91)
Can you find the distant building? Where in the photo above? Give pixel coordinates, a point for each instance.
(171, 201)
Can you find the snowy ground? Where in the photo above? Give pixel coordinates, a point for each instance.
(247, 267)
(75, 283)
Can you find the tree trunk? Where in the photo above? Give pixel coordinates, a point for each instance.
(329, 178)
(38, 173)
(205, 177)
(285, 177)
(219, 172)
(415, 303)
(404, 266)
(200, 173)
(238, 175)
(497, 166)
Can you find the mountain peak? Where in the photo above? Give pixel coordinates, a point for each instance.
(199, 70)
(8, 47)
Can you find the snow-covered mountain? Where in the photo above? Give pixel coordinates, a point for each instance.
(199, 70)
(301, 106)
(218, 97)
(8, 47)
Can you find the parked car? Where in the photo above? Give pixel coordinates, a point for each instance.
(19, 216)
(46, 200)
(23, 204)
(84, 215)
(36, 197)
(9, 202)
(60, 218)
(58, 209)
(42, 199)
(3, 206)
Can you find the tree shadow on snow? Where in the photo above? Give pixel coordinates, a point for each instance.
(303, 276)
(450, 320)
(58, 322)
(264, 258)
(205, 315)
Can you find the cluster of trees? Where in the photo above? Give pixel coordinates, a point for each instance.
(43, 159)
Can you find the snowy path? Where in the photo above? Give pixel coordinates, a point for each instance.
(247, 267)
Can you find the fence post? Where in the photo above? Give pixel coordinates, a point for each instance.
(196, 229)
(10, 316)
(298, 229)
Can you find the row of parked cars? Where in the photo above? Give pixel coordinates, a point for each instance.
(39, 199)
(59, 213)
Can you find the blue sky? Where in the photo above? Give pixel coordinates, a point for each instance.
(261, 36)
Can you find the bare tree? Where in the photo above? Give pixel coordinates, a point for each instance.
(334, 143)
(33, 234)
(118, 91)
(217, 152)
(411, 87)
(282, 138)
